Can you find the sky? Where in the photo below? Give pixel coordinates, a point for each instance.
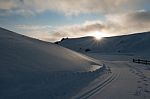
(51, 20)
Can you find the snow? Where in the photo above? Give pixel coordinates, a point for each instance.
(17, 51)
(34, 69)
(131, 80)
(135, 44)
(126, 80)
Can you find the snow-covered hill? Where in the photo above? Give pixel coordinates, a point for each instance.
(132, 79)
(18, 51)
(136, 44)
(34, 69)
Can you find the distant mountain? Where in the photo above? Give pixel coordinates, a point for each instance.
(135, 43)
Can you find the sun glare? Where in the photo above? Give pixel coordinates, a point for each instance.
(97, 35)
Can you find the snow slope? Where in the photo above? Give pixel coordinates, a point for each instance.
(135, 43)
(18, 51)
(34, 69)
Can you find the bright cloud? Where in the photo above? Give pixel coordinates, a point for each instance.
(74, 7)
(114, 25)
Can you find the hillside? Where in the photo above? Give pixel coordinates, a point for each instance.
(134, 43)
(19, 51)
(34, 69)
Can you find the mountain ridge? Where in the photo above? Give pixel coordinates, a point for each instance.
(133, 43)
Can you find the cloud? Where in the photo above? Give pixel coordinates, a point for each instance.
(128, 23)
(35, 27)
(115, 24)
(74, 7)
(7, 4)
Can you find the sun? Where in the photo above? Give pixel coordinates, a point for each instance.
(97, 35)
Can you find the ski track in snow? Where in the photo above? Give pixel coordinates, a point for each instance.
(99, 87)
(132, 82)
